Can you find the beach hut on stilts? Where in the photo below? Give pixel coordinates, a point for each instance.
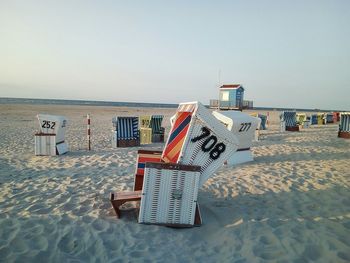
(51, 138)
(344, 125)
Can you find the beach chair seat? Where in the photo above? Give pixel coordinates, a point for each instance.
(144, 156)
(126, 132)
(51, 138)
(118, 199)
(344, 125)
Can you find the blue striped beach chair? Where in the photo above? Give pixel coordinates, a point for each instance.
(126, 132)
(157, 129)
(329, 117)
(290, 120)
(344, 125)
(313, 119)
(263, 123)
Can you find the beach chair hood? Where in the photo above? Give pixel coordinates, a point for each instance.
(240, 124)
(198, 138)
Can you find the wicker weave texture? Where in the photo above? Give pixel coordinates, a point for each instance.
(169, 197)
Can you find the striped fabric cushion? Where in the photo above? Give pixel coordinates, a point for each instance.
(290, 118)
(156, 123)
(127, 128)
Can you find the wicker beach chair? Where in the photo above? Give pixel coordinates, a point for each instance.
(145, 130)
(263, 124)
(157, 129)
(126, 132)
(244, 127)
(344, 125)
(313, 119)
(329, 117)
(51, 138)
(290, 120)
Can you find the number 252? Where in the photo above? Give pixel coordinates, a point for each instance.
(210, 144)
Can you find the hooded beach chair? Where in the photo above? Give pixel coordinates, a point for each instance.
(320, 118)
(329, 117)
(51, 138)
(197, 145)
(244, 127)
(145, 129)
(263, 124)
(157, 129)
(289, 117)
(126, 132)
(313, 119)
(344, 125)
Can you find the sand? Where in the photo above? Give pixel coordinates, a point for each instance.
(292, 204)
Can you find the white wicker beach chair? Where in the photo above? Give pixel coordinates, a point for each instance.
(243, 126)
(51, 138)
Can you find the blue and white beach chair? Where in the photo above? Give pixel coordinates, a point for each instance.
(126, 132)
(290, 120)
(344, 125)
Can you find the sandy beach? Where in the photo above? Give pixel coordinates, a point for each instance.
(291, 204)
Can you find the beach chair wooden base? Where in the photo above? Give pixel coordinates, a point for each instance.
(344, 135)
(118, 199)
(128, 143)
(292, 128)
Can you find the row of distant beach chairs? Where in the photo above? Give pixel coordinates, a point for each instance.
(293, 121)
(134, 131)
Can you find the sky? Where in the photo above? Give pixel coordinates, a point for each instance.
(284, 53)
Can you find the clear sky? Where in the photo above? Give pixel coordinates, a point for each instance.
(285, 53)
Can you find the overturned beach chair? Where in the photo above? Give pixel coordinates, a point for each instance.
(344, 125)
(51, 138)
(198, 144)
(289, 117)
(126, 132)
(244, 127)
